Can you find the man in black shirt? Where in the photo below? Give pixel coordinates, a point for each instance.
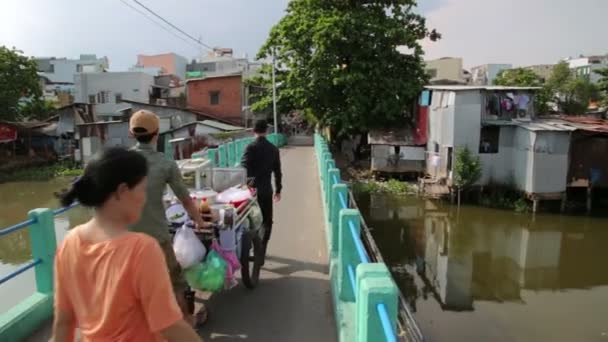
(262, 159)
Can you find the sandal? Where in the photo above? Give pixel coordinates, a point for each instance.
(201, 317)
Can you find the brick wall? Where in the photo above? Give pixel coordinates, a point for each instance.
(229, 89)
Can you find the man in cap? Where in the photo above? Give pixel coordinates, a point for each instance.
(262, 159)
(144, 127)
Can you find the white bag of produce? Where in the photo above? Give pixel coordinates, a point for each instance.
(189, 250)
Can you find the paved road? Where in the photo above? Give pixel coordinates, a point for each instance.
(292, 301)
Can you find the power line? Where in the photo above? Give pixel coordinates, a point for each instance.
(198, 41)
(156, 22)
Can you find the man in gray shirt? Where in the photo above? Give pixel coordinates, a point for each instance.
(144, 126)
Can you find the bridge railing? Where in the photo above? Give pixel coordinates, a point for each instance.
(19, 321)
(230, 153)
(355, 280)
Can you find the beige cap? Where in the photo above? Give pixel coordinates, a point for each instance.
(146, 121)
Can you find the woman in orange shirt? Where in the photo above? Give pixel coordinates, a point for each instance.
(110, 283)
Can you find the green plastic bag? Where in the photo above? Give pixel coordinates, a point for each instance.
(208, 275)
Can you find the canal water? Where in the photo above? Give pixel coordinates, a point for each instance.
(16, 199)
(477, 274)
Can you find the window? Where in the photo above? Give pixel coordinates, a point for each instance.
(103, 97)
(214, 97)
(489, 139)
(118, 97)
(91, 99)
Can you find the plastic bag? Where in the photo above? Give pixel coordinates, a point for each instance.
(234, 195)
(189, 250)
(232, 261)
(208, 275)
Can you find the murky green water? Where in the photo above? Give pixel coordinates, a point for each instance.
(479, 274)
(16, 199)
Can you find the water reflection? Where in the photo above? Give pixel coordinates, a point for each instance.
(492, 264)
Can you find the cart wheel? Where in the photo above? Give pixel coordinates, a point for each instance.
(251, 243)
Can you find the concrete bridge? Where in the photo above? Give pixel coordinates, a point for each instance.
(318, 283)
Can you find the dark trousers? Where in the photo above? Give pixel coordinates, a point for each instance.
(265, 201)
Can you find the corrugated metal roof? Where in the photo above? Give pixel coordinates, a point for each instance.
(222, 126)
(465, 88)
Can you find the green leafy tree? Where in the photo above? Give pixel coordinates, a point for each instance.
(18, 80)
(522, 77)
(341, 62)
(37, 109)
(571, 93)
(603, 85)
(260, 91)
(467, 169)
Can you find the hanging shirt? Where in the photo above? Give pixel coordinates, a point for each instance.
(523, 101)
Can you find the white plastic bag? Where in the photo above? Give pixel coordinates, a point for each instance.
(189, 250)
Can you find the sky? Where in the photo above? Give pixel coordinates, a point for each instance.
(520, 32)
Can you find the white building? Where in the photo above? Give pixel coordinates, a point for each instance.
(487, 73)
(106, 90)
(586, 66)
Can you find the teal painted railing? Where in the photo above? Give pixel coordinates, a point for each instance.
(359, 285)
(230, 154)
(19, 322)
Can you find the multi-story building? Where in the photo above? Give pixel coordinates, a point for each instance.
(487, 73)
(163, 64)
(106, 90)
(586, 66)
(446, 70)
(57, 75)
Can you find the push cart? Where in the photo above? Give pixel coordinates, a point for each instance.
(246, 223)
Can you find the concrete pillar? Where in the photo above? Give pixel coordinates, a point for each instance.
(332, 174)
(564, 201)
(230, 153)
(347, 252)
(374, 286)
(212, 154)
(327, 183)
(334, 216)
(44, 244)
(222, 156)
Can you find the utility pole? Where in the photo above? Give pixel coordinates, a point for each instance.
(274, 94)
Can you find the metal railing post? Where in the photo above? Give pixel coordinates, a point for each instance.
(44, 244)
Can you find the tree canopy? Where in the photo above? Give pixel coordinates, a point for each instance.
(522, 77)
(19, 80)
(571, 93)
(603, 85)
(340, 60)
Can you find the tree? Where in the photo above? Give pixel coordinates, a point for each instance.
(341, 63)
(518, 77)
(467, 169)
(521, 77)
(19, 79)
(260, 91)
(36, 109)
(603, 85)
(571, 93)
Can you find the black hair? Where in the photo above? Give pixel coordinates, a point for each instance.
(103, 174)
(144, 139)
(260, 127)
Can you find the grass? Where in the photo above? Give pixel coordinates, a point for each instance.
(42, 173)
(392, 186)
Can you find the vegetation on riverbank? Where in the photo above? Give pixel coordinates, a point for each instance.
(391, 186)
(42, 173)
